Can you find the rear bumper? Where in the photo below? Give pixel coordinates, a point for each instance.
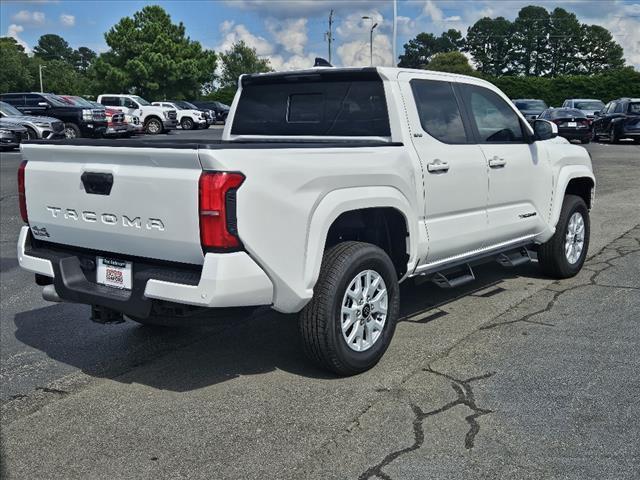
(224, 280)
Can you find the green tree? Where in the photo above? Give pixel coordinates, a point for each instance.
(53, 47)
(151, 56)
(489, 43)
(530, 50)
(239, 59)
(565, 37)
(59, 78)
(83, 57)
(598, 51)
(418, 51)
(452, 62)
(15, 74)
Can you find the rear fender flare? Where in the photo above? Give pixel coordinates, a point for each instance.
(567, 174)
(337, 202)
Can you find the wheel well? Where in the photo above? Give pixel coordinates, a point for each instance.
(385, 227)
(581, 187)
(152, 117)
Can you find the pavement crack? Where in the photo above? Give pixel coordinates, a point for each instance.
(465, 396)
(619, 251)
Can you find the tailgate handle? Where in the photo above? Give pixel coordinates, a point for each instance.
(97, 183)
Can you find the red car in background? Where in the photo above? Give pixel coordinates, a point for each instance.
(116, 122)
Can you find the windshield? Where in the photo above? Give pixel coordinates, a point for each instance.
(589, 105)
(530, 105)
(9, 110)
(80, 102)
(55, 100)
(140, 100)
(185, 105)
(634, 108)
(566, 112)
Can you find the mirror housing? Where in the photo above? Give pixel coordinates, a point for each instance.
(544, 130)
(596, 113)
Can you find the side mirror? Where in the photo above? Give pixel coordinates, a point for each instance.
(544, 130)
(43, 104)
(130, 105)
(596, 113)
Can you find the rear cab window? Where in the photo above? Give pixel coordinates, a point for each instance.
(327, 103)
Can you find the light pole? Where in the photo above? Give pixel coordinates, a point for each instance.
(373, 26)
(40, 67)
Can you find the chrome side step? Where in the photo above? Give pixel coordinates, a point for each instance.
(454, 278)
(514, 258)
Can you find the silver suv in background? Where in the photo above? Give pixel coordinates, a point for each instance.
(37, 127)
(531, 108)
(588, 106)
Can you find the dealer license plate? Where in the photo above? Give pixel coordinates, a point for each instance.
(114, 273)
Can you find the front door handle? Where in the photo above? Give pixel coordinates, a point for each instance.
(497, 162)
(438, 167)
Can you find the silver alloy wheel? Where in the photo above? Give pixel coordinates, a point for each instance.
(364, 310)
(69, 132)
(153, 127)
(574, 240)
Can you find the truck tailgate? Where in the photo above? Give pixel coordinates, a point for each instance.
(131, 201)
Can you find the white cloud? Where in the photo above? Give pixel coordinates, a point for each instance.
(13, 31)
(233, 33)
(431, 10)
(290, 33)
(357, 52)
(29, 18)
(67, 20)
(294, 62)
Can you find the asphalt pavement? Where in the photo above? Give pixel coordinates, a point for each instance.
(513, 376)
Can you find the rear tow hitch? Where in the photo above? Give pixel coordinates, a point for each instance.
(104, 315)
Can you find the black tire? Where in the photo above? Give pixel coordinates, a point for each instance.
(320, 325)
(613, 136)
(187, 124)
(551, 255)
(206, 125)
(584, 141)
(71, 130)
(153, 126)
(636, 140)
(31, 134)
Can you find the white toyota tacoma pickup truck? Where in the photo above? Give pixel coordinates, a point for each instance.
(329, 187)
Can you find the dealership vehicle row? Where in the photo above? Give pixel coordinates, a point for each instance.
(48, 116)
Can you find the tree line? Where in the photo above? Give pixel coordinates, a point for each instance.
(151, 56)
(148, 55)
(537, 43)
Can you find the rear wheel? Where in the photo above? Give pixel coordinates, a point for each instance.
(584, 141)
(71, 130)
(563, 255)
(613, 135)
(349, 323)
(153, 126)
(187, 124)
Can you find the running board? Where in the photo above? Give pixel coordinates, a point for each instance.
(454, 278)
(514, 258)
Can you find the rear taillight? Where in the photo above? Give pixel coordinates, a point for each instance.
(22, 198)
(218, 210)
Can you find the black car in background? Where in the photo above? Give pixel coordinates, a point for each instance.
(531, 108)
(220, 110)
(11, 135)
(572, 123)
(78, 121)
(617, 120)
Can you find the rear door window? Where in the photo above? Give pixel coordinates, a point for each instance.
(32, 100)
(439, 111)
(317, 104)
(110, 101)
(14, 99)
(495, 121)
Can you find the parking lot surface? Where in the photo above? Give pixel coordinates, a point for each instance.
(513, 376)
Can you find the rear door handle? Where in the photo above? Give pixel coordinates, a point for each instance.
(438, 167)
(497, 162)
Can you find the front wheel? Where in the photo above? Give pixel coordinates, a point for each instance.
(563, 255)
(349, 323)
(71, 130)
(187, 124)
(153, 127)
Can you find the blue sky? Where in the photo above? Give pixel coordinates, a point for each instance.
(291, 33)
